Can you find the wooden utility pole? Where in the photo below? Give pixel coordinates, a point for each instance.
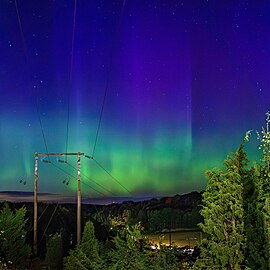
(79, 154)
(35, 203)
(79, 201)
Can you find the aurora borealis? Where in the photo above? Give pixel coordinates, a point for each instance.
(184, 81)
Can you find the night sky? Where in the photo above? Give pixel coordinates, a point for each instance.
(181, 81)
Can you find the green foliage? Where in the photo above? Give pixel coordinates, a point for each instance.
(156, 221)
(255, 247)
(13, 248)
(85, 255)
(236, 211)
(163, 259)
(223, 215)
(54, 251)
(170, 218)
(154, 215)
(126, 253)
(127, 250)
(262, 193)
(131, 251)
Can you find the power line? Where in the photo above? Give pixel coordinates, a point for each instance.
(26, 57)
(100, 116)
(21, 30)
(48, 223)
(40, 124)
(98, 211)
(85, 176)
(42, 213)
(71, 73)
(107, 81)
(70, 77)
(112, 176)
(64, 171)
(117, 181)
(73, 38)
(39, 116)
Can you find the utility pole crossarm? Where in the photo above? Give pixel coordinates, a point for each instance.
(58, 154)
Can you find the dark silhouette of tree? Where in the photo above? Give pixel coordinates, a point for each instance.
(54, 251)
(13, 248)
(257, 206)
(85, 255)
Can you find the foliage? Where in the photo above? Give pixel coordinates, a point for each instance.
(169, 218)
(223, 215)
(255, 247)
(154, 215)
(122, 219)
(13, 248)
(3, 266)
(54, 251)
(236, 211)
(131, 251)
(86, 254)
(262, 205)
(163, 259)
(126, 253)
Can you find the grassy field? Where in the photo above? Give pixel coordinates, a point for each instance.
(180, 238)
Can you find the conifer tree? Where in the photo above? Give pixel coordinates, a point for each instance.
(164, 258)
(132, 252)
(127, 253)
(263, 197)
(85, 255)
(13, 248)
(54, 251)
(254, 224)
(223, 215)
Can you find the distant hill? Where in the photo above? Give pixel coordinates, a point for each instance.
(155, 215)
(179, 211)
(24, 196)
(183, 202)
(178, 201)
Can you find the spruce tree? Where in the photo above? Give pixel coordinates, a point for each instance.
(127, 252)
(13, 248)
(54, 251)
(85, 255)
(263, 195)
(224, 215)
(132, 251)
(236, 211)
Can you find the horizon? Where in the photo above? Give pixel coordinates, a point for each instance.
(27, 197)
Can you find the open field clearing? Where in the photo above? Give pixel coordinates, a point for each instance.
(181, 238)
